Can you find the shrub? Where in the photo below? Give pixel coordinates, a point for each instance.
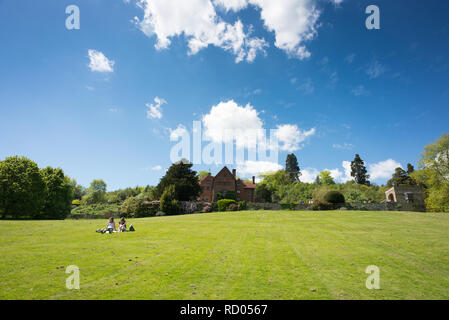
(288, 206)
(169, 204)
(334, 197)
(224, 203)
(230, 195)
(232, 207)
(138, 208)
(322, 205)
(243, 205)
(76, 202)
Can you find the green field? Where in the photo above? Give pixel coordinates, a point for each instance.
(241, 255)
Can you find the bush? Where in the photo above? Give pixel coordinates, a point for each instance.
(207, 208)
(232, 207)
(169, 204)
(334, 197)
(243, 205)
(322, 205)
(76, 202)
(224, 203)
(139, 208)
(288, 206)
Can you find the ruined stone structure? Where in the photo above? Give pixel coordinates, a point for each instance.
(226, 181)
(408, 196)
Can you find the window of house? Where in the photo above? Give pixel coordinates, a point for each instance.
(208, 181)
(238, 191)
(207, 188)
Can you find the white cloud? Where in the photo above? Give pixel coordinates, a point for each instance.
(350, 58)
(156, 168)
(155, 111)
(307, 87)
(360, 91)
(290, 136)
(375, 69)
(344, 146)
(228, 120)
(99, 62)
(234, 5)
(293, 22)
(336, 2)
(177, 133)
(309, 175)
(254, 168)
(383, 169)
(198, 22)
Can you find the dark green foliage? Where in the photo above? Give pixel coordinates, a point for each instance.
(169, 203)
(322, 205)
(334, 197)
(224, 203)
(58, 194)
(183, 178)
(292, 167)
(230, 195)
(243, 205)
(134, 207)
(263, 192)
(21, 188)
(288, 206)
(359, 172)
(401, 177)
(410, 168)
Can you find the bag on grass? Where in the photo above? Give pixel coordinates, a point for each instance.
(131, 228)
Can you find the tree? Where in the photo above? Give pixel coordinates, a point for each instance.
(401, 177)
(203, 174)
(169, 204)
(263, 193)
(58, 194)
(96, 192)
(434, 174)
(184, 180)
(21, 188)
(410, 169)
(325, 177)
(78, 190)
(292, 167)
(359, 172)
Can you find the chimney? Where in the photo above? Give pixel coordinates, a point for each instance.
(254, 180)
(234, 172)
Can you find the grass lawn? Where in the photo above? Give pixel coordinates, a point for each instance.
(241, 255)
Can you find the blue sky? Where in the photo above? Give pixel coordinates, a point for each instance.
(340, 88)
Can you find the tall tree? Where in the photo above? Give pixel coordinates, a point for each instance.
(58, 194)
(21, 188)
(185, 180)
(359, 172)
(400, 177)
(292, 167)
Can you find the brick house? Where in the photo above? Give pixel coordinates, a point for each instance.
(226, 181)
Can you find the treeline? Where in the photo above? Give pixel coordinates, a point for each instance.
(27, 192)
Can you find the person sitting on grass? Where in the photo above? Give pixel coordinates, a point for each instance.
(111, 225)
(122, 225)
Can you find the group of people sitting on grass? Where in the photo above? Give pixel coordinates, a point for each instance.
(111, 227)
